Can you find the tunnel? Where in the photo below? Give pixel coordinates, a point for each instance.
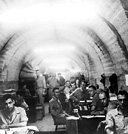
(69, 36)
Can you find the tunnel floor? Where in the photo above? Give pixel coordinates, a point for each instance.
(46, 125)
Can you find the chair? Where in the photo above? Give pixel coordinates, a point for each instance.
(101, 127)
(58, 123)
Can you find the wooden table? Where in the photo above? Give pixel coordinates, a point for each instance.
(84, 125)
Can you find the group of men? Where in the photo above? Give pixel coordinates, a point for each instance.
(72, 96)
(116, 121)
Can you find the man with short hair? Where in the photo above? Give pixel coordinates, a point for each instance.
(67, 88)
(52, 83)
(92, 91)
(117, 119)
(99, 101)
(56, 109)
(12, 116)
(80, 93)
(40, 87)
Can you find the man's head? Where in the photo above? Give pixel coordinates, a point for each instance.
(73, 85)
(9, 102)
(83, 84)
(122, 97)
(56, 92)
(77, 81)
(103, 96)
(25, 86)
(91, 90)
(59, 74)
(67, 83)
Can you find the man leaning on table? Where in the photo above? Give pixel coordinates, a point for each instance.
(12, 116)
(14, 119)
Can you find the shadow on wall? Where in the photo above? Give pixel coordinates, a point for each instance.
(8, 85)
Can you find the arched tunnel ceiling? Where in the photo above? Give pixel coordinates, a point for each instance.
(96, 30)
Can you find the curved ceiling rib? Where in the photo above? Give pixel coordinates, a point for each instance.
(125, 6)
(80, 39)
(119, 38)
(97, 44)
(100, 45)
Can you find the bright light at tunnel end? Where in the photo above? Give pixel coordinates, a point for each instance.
(55, 56)
(54, 49)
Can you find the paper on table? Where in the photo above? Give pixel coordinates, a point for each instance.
(19, 130)
(113, 98)
(92, 116)
(89, 101)
(88, 116)
(72, 118)
(6, 131)
(102, 116)
(2, 131)
(25, 128)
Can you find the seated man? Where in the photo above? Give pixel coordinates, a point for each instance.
(99, 101)
(117, 119)
(26, 91)
(20, 101)
(12, 116)
(80, 93)
(56, 108)
(14, 119)
(67, 88)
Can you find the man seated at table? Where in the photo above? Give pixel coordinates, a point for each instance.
(12, 116)
(79, 93)
(20, 101)
(117, 119)
(56, 109)
(99, 101)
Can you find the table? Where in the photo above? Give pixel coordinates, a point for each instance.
(72, 125)
(19, 130)
(89, 123)
(84, 125)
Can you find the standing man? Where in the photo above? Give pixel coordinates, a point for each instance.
(61, 79)
(40, 87)
(52, 83)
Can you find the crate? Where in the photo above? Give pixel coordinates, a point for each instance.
(39, 112)
(32, 116)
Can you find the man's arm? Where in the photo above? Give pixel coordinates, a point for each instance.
(73, 97)
(94, 112)
(21, 124)
(110, 123)
(94, 104)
